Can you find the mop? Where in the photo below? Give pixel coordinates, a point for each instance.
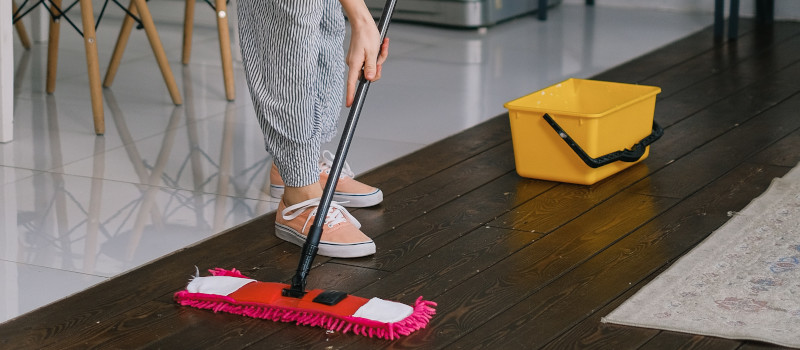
(232, 292)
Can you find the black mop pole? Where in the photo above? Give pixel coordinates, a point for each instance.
(311, 245)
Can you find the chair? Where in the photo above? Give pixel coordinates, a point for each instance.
(88, 32)
(765, 14)
(145, 20)
(23, 34)
(220, 7)
(90, 44)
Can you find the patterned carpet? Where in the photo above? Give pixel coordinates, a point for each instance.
(742, 282)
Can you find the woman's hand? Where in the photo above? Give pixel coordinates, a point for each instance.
(364, 47)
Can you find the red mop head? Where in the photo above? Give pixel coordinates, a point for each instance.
(230, 291)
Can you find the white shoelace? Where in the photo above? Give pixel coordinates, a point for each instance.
(336, 213)
(326, 163)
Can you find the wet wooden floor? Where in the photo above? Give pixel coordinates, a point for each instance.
(512, 262)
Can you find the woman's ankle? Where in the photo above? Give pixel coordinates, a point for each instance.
(294, 195)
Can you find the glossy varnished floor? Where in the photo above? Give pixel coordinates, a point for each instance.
(78, 209)
(512, 262)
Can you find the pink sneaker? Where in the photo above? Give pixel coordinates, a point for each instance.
(349, 192)
(341, 237)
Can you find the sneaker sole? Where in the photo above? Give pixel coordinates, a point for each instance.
(329, 249)
(346, 199)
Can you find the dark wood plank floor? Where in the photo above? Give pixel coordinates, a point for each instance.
(512, 262)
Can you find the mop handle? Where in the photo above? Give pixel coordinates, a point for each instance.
(311, 245)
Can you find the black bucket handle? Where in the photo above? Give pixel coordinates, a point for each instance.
(627, 155)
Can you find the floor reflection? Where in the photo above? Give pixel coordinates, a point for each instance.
(96, 226)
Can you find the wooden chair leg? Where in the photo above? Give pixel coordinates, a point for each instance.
(719, 19)
(188, 27)
(52, 48)
(541, 11)
(119, 47)
(225, 49)
(733, 20)
(158, 50)
(765, 11)
(23, 34)
(90, 42)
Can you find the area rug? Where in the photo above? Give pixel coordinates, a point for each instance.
(742, 282)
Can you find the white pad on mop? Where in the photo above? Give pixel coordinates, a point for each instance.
(380, 310)
(219, 285)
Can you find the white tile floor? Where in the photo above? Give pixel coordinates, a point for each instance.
(77, 209)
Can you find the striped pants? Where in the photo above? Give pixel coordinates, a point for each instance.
(294, 62)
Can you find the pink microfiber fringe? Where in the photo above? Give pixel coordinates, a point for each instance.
(222, 272)
(419, 318)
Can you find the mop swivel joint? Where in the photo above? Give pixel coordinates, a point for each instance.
(297, 290)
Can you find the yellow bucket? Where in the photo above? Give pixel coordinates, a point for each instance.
(582, 131)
